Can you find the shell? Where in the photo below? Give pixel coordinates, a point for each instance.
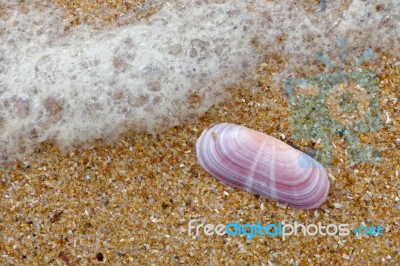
(263, 165)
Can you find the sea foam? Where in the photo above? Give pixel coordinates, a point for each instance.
(85, 83)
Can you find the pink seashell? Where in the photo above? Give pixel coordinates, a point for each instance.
(261, 164)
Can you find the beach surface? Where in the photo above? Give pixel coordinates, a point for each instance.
(129, 200)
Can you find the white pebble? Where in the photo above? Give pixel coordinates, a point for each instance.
(388, 119)
(346, 257)
(337, 205)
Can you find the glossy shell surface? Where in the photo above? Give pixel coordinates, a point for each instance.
(263, 165)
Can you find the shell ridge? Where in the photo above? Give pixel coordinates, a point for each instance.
(253, 168)
(258, 163)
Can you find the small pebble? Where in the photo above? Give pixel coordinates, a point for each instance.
(337, 205)
(346, 257)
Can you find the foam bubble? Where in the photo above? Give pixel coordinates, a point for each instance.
(87, 83)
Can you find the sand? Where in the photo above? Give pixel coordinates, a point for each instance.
(129, 202)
